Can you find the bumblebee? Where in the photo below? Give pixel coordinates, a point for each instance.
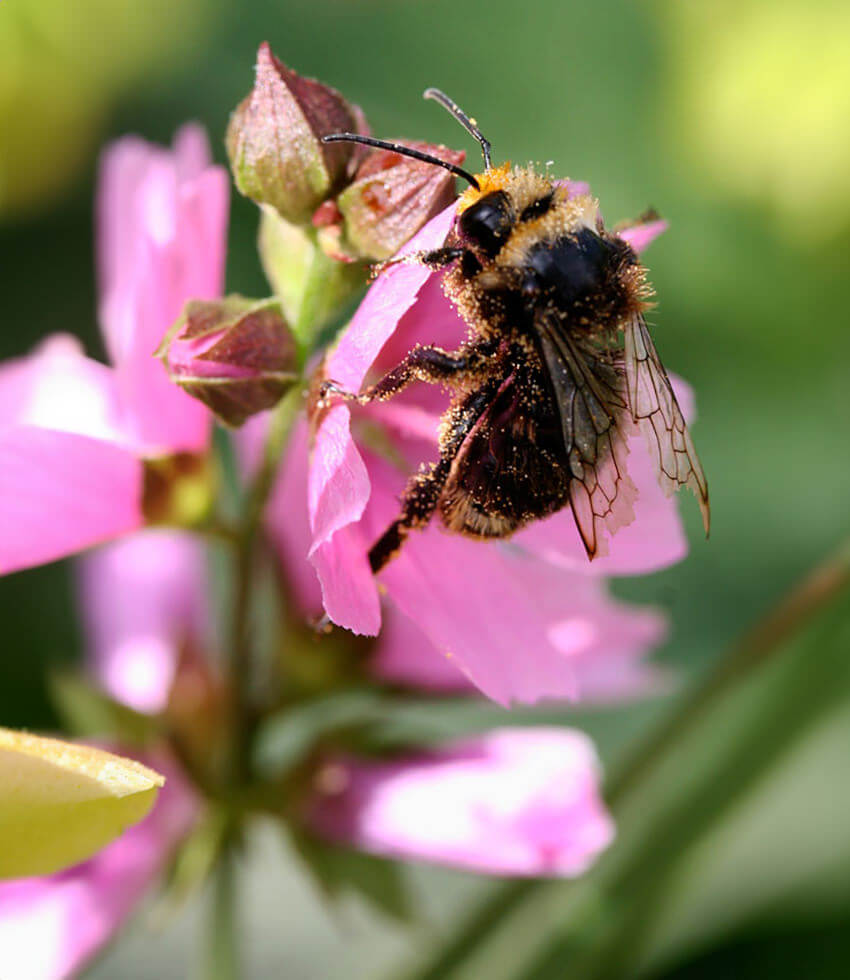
(559, 369)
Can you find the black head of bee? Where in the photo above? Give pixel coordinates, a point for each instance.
(487, 223)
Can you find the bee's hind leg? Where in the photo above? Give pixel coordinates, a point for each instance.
(418, 504)
(423, 490)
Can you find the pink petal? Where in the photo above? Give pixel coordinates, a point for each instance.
(516, 626)
(337, 491)
(391, 295)
(514, 802)
(338, 485)
(641, 236)
(57, 387)
(51, 927)
(191, 151)
(404, 655)
(349, 593)
(334, 573)
(142, 598)
(61, 492)
(162, 227)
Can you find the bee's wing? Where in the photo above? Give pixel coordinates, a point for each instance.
(654, 407)
(591, 394)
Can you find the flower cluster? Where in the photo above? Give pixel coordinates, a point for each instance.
(119, 458)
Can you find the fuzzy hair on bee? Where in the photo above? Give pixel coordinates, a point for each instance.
(558, 370)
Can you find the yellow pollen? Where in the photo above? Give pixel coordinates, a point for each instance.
(491, 180)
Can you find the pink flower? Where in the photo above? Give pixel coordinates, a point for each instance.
(142, 598)
(513, 802)
(73, 432)
(439, 631)
(518, 618)
(51, 927)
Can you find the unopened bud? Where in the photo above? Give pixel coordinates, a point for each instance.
(236, 355)
(393, 196)
(274, 140)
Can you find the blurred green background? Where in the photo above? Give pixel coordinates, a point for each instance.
(733, 120)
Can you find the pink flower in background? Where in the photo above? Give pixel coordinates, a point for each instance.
(141, 599)
(517, 801)
(51, 927)
(478, 602)
(73, 432)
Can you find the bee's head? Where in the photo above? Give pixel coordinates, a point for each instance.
(486, 223)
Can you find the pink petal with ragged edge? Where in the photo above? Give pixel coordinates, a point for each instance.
(163, 237)
(142, 598)
(349, 593)
(513, 802)
(642, 236)
(655, 540)
(51, 927)
(61, 492)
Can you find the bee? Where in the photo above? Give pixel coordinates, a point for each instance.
(558, 370)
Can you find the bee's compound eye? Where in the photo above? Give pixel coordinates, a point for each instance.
(487, 223)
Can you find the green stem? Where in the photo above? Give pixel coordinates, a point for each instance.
(245, 560)
(220, 951)
(754, 649)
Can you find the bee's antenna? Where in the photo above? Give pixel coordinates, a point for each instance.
(405, 151)
(467, 123)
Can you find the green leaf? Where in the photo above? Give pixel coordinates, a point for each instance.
(60, 803)
(339, 870)
(87, 711)
(285, 739)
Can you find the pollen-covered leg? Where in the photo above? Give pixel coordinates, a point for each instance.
(431, 364)
(424, 490)
(418, 505)
(435, 258)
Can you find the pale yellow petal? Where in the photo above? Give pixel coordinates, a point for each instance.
(60, 803)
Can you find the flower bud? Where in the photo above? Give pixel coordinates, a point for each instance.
(393, 196)
(236, 355)
(274, 140)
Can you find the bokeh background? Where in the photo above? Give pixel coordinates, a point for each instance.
(732, 118)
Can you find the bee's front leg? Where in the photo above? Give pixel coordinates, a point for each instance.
(435, 258)
(430, 364)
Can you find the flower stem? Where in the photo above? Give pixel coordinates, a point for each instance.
(753, 649)
(245, 544)
(220, 951)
